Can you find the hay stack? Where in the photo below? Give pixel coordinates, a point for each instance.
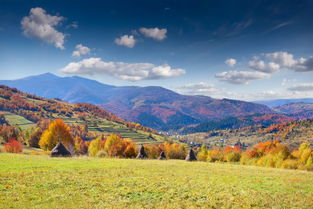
(162, 156)
(191, 156)
(142, 154)
(60, 151)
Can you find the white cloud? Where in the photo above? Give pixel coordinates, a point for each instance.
(38, 24)
(261, 66)
(80, 50)
(303, 87)
(287, 60)
(281, 60)
(231, 62)
(122, 70)
(240, 77)
(201, 88)
(284, 59)
(126, 40)
(155, 33)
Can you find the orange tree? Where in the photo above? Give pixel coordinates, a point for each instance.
(57, 132)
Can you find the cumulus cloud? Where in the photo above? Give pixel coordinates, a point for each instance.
(287, 60)
(80, 50)
(200, 88)
(122, 70)
(38, 24)
(281, 60)
(284, 59)
(302, 87)
(240, 77)
(261, 66)
(231, 62)
(155, 33)
(126, 40)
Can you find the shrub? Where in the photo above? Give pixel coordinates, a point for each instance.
(246, 159)
(130, 150)
(13, 146)
(115, 146)
(95, 146)
(290, 164)
(215, 155)
(34, 138)
(153, 151)
(309, 163)
(203, 154)
(232, 154)
(304, 156)
(101, 153)
(232, 157)
(174, 151)
(81, 147)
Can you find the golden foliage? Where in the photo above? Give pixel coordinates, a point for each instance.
(57, 132)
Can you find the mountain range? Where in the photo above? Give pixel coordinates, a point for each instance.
(152, 106)
(279, 102)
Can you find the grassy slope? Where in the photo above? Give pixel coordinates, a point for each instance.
(16, 120)
(103, 126)
(28, 181)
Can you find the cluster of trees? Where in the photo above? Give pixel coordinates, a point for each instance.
(269, 154)
(171, 150)
(112, 146)
(49, 133)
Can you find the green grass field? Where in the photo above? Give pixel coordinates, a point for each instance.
(28, 181)
(18, 121)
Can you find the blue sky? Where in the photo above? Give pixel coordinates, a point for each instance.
(249, 50)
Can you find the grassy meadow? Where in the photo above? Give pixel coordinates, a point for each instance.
(38, 181)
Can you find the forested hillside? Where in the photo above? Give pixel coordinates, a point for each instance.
(25, 111)
(289, 133)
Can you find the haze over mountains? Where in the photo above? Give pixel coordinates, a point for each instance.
(278, 102)
(152, 106)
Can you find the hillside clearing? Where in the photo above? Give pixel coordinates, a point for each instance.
(44, 182)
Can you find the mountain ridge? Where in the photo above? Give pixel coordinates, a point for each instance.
(152, 106)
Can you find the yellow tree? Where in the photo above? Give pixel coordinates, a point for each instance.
(114, 145)
(95, 146)
(57, 132)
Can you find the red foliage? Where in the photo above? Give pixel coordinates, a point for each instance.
(13, 146)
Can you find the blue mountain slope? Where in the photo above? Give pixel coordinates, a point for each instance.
(152, 106)
(278, 102)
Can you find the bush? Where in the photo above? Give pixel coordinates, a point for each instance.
(215, 155)
(232, 154)
(174, 151)
(115, 146)
(13, 146)
(95, 146)
(81, 146)
(203, 154)
(232, 157)
(130, 150)
(34, 138)
(290, 164)
(153, 151)
(101, 153)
